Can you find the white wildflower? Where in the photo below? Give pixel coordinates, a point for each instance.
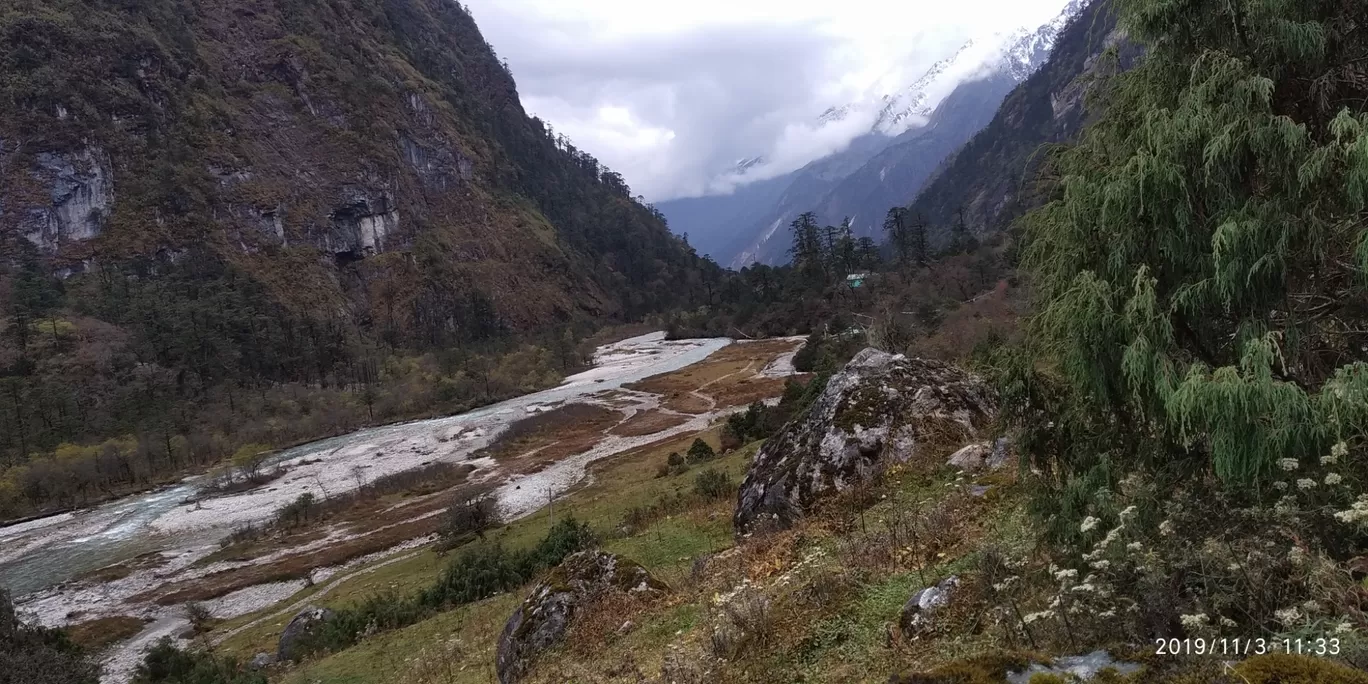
(1127, 514)
(1227, 622)
(1288, 616)
(1101, 565)
(1344, 628)
(1107, 614)
(1166, 528)
(1033, 617)
(1233, 567)
(1086, 587)
(1311, 607)
(1066, 575)
(1135, 547)
(1340, 450)
(1306, 483)
(1111, 536)
(1357, 513)
(1289, 464)
(1280, 486)
(1333, 479)
(1089, 524)
(1195, 621)
(1296, 555)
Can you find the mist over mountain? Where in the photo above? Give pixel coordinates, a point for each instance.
(909, 132)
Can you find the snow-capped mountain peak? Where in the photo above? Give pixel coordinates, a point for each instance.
(1015, 53)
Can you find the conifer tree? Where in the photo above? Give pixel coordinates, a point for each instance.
(1200, 276)
(895, 226)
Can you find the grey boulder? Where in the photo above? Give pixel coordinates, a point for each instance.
(544, 617)
(880, 408)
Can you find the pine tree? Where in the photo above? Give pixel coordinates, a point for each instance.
(895, 226)
(918, 247)
(961, 240)
(808, 252)
(1200, 277)
(843, 251)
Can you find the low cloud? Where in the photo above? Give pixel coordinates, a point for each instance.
(672, 96)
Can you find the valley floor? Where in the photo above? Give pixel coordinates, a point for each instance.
(250, 588)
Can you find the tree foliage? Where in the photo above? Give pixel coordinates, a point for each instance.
(1200, 274)
(35, 655)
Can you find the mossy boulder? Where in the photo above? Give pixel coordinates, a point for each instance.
(305, 623)
(544, 617)
(880, 408)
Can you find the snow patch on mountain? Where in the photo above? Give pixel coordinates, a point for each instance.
(1017, 53)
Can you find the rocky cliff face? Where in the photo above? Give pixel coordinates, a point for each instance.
(342, 131)
(79, 194)
(990, 178)
(879, 409)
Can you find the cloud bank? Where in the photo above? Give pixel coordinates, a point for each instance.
(672, 95)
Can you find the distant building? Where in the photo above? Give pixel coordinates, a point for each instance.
(857, 279)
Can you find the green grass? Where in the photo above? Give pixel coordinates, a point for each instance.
(619, 483)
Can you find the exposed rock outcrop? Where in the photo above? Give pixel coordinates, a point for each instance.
(305, 623)
(879, 408)
(543, 618)
(80, 194)
(361, 223)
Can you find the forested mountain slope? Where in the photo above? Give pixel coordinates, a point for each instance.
(198, 195)
(991, 177)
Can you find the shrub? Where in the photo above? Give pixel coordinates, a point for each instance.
(472, 513)
(674, 465)
(297, 512)
(201, 620)
(701, 452)
(35, 655)
(713, 484)
(166, 664)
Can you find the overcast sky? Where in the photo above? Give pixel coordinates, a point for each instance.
(671, 94)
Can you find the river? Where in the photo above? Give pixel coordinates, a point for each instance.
(42, 554)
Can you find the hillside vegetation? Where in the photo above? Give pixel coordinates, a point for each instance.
(1153, 444)
(264, 222)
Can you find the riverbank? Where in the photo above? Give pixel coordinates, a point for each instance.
(182, 535)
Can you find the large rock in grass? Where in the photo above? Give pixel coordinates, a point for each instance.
(880, 408)
(304, 624)
(543, 618)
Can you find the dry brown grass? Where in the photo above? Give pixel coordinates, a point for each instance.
(95, 635)
(147, 561)
(572, 423)
(687, 402)
(730, 377)
(648, 423)
(291, 567)
(747, 391)
(607, 618)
